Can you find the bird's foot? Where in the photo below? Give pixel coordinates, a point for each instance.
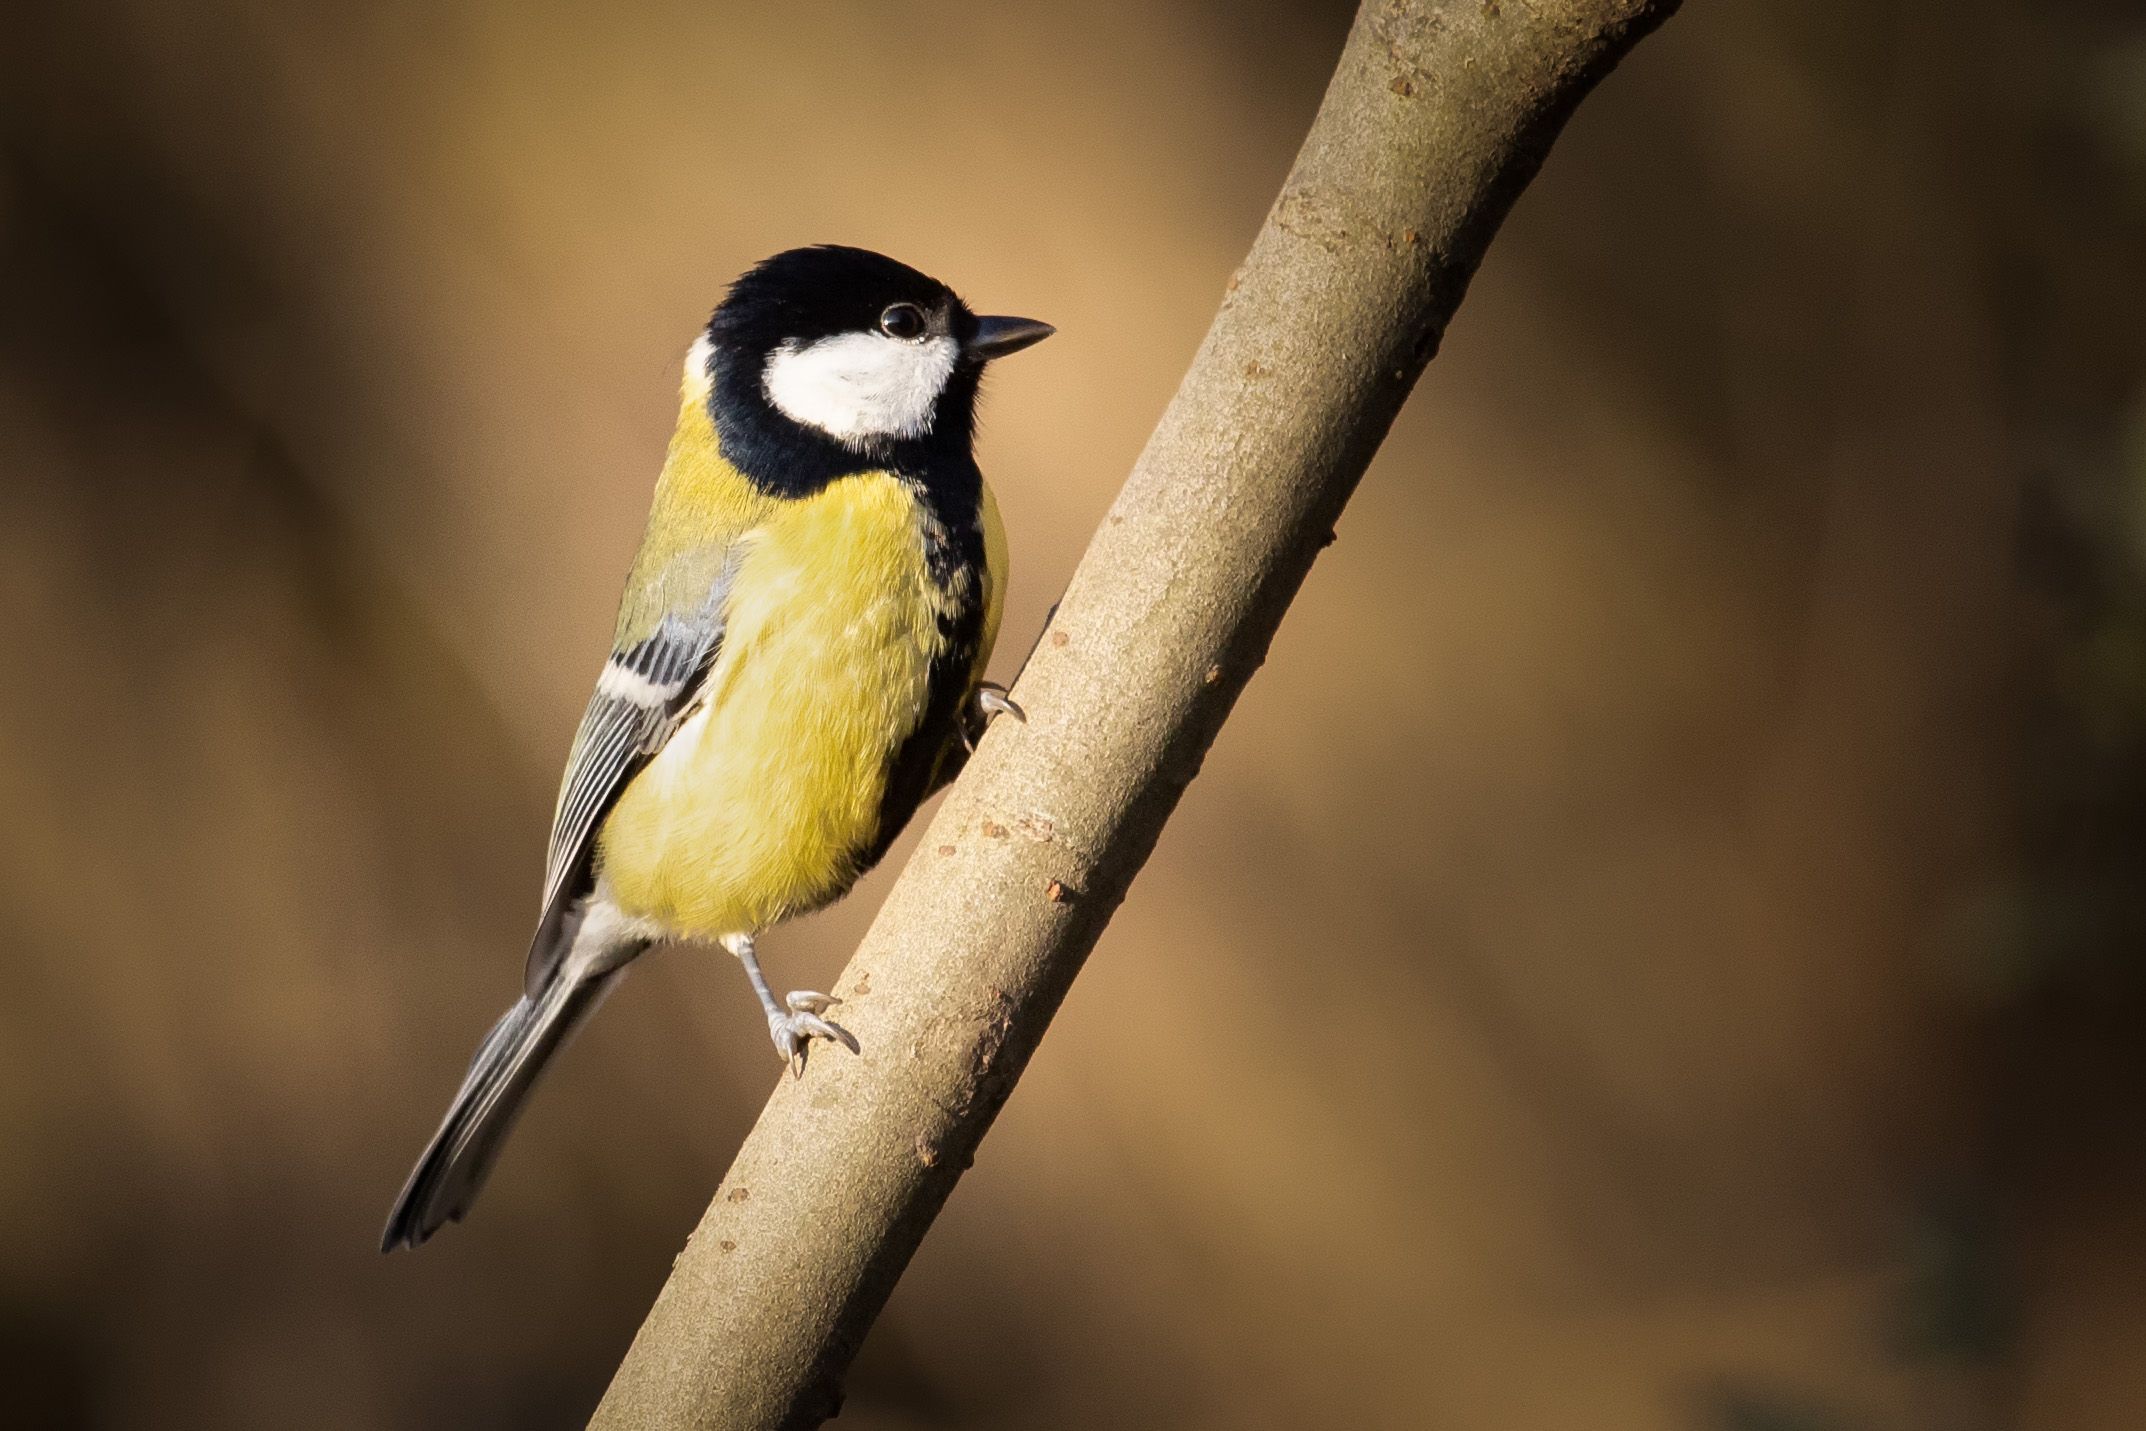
(794, 1029)
(991, 702)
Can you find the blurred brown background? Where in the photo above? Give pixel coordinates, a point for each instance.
(1658, 946)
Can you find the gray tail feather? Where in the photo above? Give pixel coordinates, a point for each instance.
(447, 1178)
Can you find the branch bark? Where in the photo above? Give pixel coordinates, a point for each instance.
(1438, 115)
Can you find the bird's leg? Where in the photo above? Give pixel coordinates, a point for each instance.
(991, 702)
(795, 1021)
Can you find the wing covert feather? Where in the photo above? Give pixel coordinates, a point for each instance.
(645, 691)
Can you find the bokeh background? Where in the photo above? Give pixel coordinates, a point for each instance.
(1659, 945)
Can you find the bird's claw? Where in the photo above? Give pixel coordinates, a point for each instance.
(991, 702)
(795, 1030)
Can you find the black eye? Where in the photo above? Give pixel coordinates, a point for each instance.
(902, 320)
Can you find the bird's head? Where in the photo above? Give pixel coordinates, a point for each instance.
(831, 355)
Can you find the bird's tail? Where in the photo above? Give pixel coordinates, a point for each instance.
(449, 1175)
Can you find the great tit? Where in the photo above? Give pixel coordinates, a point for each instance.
(799, 651)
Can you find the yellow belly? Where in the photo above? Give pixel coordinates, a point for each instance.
(759, 805)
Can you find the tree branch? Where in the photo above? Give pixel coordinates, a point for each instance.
(1437, 117)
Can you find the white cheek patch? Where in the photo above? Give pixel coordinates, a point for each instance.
(857, 387)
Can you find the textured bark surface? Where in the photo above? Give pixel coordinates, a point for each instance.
(1437, 117)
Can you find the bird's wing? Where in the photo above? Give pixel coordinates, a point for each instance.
(647, 688)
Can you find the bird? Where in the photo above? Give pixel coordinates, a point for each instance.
(797, 664)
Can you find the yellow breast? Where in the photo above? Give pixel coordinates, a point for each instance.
(757, 807)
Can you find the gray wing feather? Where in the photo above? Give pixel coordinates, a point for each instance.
(645, 691)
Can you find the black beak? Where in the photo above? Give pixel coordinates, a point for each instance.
(996, 337)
